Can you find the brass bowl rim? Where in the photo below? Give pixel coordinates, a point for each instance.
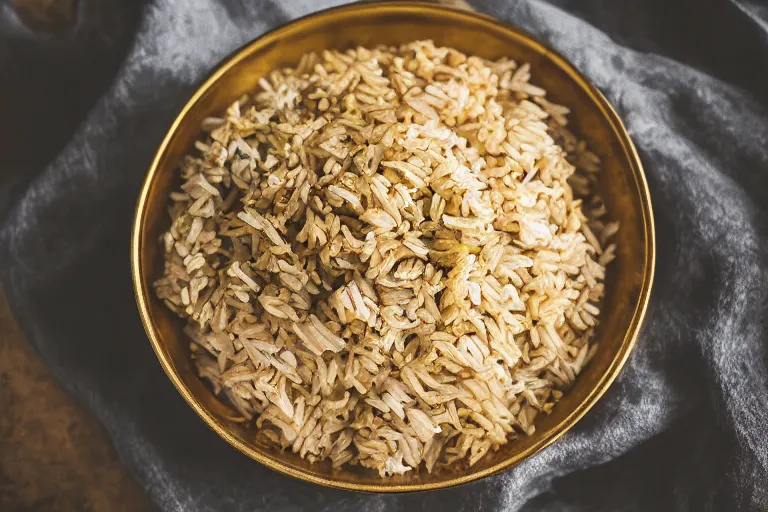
(552, 434)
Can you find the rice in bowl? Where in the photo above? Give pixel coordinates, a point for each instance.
(389, 257)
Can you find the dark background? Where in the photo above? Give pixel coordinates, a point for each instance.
(53, 455)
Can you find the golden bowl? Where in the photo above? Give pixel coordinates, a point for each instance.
(622, 185)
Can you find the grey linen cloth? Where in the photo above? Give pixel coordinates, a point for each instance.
(684, 427)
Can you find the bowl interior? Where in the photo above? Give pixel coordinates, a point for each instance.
(622, 186)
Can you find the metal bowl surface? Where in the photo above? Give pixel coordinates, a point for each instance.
(622, 185)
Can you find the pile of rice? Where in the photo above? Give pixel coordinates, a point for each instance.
(384, 256)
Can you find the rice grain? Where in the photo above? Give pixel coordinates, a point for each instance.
(389, 257)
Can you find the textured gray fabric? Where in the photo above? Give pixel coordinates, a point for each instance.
(684, 427)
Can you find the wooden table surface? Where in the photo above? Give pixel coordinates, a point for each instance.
(53, 455)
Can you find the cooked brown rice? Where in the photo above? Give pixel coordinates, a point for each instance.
(384, 259)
